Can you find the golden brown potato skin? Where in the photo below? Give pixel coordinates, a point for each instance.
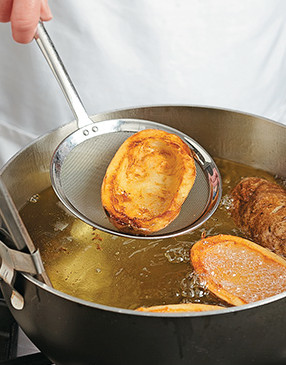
(237, 270)
(259, 209)
(184, 307)
(147, 181)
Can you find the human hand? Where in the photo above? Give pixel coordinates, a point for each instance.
(24, 16)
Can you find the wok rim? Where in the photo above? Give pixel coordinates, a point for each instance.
(155, 106)
(118, 310)
(104, 116)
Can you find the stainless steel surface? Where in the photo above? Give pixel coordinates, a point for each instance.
(80, 161)
(72, 331)
(48, 49)
(14, 260)
(13, 220)
(239, 137)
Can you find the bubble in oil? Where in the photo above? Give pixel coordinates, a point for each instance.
(178, 255)
(226, 202)
(193, 288)
(60, 226)
(281, 180)
(34, 198)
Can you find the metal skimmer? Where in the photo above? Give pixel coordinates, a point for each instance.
(80, 161)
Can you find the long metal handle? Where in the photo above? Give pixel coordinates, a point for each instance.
(49, 51)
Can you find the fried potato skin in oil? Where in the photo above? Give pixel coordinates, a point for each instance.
(259, 209)
(184, 307)
(147, 182)
(237, 270)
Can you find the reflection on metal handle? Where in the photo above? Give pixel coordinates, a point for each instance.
(13, 221)
(48, 49)
(18, 231)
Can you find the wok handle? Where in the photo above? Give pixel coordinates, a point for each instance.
(52, 57)
(17, 229)
(13, 221)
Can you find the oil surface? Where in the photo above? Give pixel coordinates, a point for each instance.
(127, 273)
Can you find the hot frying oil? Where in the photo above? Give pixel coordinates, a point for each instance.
(116, 271)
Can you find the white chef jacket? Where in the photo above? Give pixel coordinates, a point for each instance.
(128, 53)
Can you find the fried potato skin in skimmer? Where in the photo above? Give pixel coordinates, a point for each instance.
(238, 271)
(147, 181)
(176, 308)
(259, 209)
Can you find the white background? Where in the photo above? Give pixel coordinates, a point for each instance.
(124, 53)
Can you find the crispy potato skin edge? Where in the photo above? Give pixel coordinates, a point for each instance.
(174, 308)
(135, 225)
(198, 249)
